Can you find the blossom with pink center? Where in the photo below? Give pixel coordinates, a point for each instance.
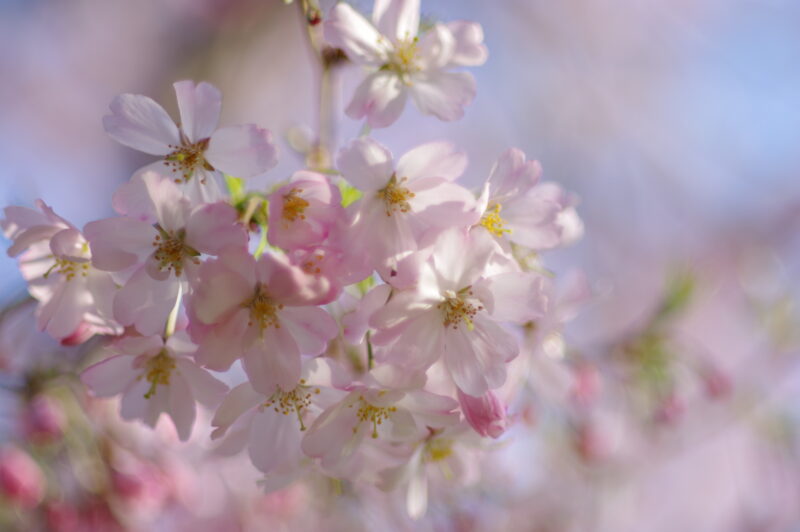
(74, 297)
(196, 153)
(259, 310)
(21, 480)
(405, 60)
(155, 376)
(486, 414)
(271, 425)
(454, 313)
(303, 212)
(403, 203)
(516, 207)
(159, 243)
(339, 435)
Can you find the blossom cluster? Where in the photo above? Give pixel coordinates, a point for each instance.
(381, 313)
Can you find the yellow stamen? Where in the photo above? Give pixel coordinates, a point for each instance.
(187, 159)
(294, 206)
(396, 196)
(295, 401)
(172, 250)
(68, 268)
(372, 414)
(438, 449)
(492, 222)
(456, 309)
(157, 372)
(263, 310)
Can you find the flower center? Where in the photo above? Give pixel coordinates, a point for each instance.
(295, 401)
(157, 372)
(403, 60)
(492, 222)
(438, 449)
(263, 310)
(455, 309)
(396, 196)
(68, 268)
(187, 159)
(172, 250)
(372, 414)
(294, 206)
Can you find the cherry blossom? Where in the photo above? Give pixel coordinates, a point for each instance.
(259, 310)
(485, 414)
(54, 257)
(368, 412)
(403, 59)
(155, 376)
(404, 204)
(160, 247)
(516, 207)
(271, 426)
(303, 212)
(454, 313)
(196, 153)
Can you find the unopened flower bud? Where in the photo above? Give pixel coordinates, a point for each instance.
(485, 414)
(21, 480)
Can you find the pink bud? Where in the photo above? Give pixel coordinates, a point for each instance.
(80, 335)
(717, 384)
(43, 420)
(670, 410)
(587, 384)
(485, 414)
(21, 480)
(590, 443)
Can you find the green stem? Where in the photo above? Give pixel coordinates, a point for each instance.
(370, 356)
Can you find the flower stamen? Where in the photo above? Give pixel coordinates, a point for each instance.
(396, 196)
(294, 206)
(157, 372)
(263, 310)
(187, 159)
(372, 414)
(492, 221)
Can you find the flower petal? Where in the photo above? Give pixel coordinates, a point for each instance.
(347, 29)
(199, 106)
(242, 151)
(365, 163)
(140, 123)
(434, 159)
(469, 49)
(381, 98)
(397, 19)
(443, 94)
(111, 376)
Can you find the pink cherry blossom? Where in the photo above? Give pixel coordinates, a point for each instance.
(338, 437)
(454, 312)
(403, 60)
(260, 311)
(303, 212)
(196, 153)
(160, 246)
(486, 414)
(271, 426)
(74, 297)
(404, 203)
(155, 376)
(516, 207)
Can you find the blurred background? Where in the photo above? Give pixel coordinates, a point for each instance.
(674, 121)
